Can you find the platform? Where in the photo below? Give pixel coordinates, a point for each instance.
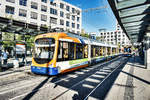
(133, 82)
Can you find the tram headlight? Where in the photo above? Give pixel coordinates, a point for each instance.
(50, 65)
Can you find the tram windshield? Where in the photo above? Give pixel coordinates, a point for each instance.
(44, 48)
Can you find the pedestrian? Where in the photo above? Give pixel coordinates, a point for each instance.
(23, 57)
(4, 57)
(0, 58)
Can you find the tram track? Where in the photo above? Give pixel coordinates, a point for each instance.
(80, 84)
(60, 79)
(30, 76)
(104, 80)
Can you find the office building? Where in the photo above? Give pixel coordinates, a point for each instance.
(47, 13)
(113, 37)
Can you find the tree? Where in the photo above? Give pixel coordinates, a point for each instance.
(84, 34)
(7, 39)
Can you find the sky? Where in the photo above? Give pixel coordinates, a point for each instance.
(92, 21)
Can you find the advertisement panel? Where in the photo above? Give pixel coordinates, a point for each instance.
(20, 48)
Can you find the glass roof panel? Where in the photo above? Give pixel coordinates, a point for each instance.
(134, 18)
(128, 3)
(134, 10)
(132, 24)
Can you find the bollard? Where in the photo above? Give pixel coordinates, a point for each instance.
(16, 63)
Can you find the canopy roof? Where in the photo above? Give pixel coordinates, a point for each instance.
(18, 27)
(133, 16)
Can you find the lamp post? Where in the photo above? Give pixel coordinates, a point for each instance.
(0, 45)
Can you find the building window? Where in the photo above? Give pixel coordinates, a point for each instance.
(53, 4)
(53, 11)
(12, 1)
(67, 23)
(67, 8)
(45, 1)
(53, 20)
(61, 22)
(9, 10)
(73, 10)
(22, 12)
(78, 26)
(43, 18)
(34, 15)
(78, 12)
(68, 16)
(73, 25)
(23, 2)
(43, 8)
(61, 14)
(34, 5)
(78, 19)
(61, 5)
(73, 17)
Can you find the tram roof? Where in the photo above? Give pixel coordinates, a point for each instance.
(80, 39)
(90, 41)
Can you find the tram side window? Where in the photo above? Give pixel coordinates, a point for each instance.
(93, 51)
(60, 53)
(101, 51)
(79, 51)
(65, 51)
(96, 51)
(108, 51)
(92, 48)
(86, 51)
(71, 51)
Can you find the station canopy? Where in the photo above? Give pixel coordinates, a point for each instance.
(133, 16)
(22, 28)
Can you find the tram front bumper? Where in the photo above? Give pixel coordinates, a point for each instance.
(45, 70)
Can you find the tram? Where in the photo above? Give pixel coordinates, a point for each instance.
(127, 51)
(56, 53)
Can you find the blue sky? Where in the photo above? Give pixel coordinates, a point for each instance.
(94, 20)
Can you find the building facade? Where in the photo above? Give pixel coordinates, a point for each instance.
(115, 37)
(48, 13)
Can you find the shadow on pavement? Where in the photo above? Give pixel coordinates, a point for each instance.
(136, 65)
(35, 90)
(88, 85)
(145, 81)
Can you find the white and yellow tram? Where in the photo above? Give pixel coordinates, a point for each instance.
(56, 53)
